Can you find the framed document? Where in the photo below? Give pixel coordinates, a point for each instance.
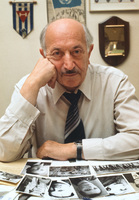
(113, 5)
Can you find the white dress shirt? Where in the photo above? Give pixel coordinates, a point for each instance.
(108, 107)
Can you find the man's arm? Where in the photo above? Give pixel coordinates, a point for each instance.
(57, 151)
(121, 146)
(43, 73)
(16, 125)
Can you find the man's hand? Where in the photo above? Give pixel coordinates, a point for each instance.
(57, 151)
(43, 73)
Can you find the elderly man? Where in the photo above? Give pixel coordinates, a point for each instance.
(45, 121)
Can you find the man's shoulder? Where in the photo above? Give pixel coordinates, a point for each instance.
(106, 70)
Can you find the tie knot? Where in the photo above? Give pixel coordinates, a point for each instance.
(72, 97)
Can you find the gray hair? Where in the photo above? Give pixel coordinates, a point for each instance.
(88, 37)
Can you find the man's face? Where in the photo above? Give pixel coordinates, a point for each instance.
(66, 49)
(88, 188)
(60, 189)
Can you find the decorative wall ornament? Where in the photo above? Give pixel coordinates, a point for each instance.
(75, 9)
(114, 40)
(22, 17)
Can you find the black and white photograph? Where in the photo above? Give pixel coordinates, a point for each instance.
(133, 179)
(61, 189)
(88, 187)
(69, 171)
(33, 185)
(8, 177)
(13, 195)
(116, 184)
(37, 168)
(27, 197)
(116, 168)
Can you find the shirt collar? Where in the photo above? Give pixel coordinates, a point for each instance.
(85, 87)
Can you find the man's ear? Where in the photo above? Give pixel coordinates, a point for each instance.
(42, 52)
(89, 53)
(90, 50)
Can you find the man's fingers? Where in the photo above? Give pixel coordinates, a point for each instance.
(52, 82)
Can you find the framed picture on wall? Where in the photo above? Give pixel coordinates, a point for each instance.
(75, 9)
(113, 5)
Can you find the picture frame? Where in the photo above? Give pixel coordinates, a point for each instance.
(114, 40)
(113, 5)
(57, 9)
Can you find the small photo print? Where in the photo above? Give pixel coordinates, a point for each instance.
(133, 179)
(117, 168)
(36, 167)
(69, 171)
(116, 184)
(8, 177)
(88, 187)
(33, 185)
(61, 189)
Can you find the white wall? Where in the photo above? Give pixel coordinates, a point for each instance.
(18, 56)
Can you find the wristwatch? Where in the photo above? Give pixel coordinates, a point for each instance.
(79, 150)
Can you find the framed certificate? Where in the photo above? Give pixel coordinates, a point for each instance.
(113, 5)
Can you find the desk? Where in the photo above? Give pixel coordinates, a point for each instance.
(13, 167)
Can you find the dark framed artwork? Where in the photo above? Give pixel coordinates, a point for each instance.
(114, 40)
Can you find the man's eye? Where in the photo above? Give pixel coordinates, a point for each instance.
(57, 54)
(77, 52)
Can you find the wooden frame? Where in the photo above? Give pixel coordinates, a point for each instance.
(113, 5)
(114, 40)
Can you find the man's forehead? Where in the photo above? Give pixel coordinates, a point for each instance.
(64, 22)
(61, 28)
(65, 48)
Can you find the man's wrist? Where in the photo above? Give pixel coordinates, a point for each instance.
(79, 150)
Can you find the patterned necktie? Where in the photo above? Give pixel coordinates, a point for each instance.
(74, 129)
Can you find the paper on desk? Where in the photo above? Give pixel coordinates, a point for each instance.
(4, 189)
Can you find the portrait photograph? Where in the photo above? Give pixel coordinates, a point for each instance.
(116, 184)
(88, 187)
(61, 189)
(33, 185)
(37, 168)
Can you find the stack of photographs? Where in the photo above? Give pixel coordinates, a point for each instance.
(41, 179)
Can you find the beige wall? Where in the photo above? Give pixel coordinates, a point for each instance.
(18, 56)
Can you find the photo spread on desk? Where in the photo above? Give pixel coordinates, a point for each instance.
(48, 179)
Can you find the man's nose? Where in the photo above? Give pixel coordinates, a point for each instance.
(68, 61)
